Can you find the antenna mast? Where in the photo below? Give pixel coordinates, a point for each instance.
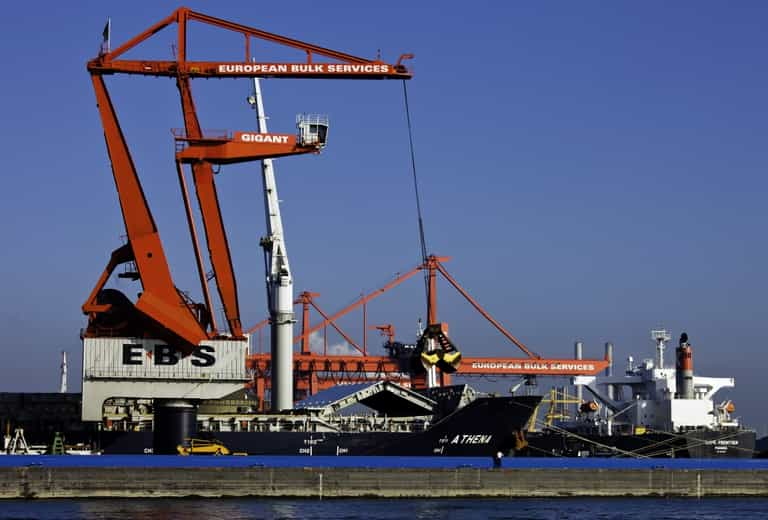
(63, 388)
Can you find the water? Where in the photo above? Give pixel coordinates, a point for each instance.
(374, 509)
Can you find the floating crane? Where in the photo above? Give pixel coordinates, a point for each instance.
(161, 310)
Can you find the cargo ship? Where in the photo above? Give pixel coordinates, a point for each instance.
(380, 418)
(652, 410)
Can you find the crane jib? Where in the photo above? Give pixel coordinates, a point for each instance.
(207, 69)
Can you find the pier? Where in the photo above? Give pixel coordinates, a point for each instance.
(299, 477)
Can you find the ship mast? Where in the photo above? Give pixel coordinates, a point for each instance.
(660, 336)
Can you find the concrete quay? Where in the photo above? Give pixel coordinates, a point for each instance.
(29, 482)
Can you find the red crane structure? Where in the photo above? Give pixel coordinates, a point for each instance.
(161, 309)
(315, 371)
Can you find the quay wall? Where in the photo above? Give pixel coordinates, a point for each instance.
(30, 482)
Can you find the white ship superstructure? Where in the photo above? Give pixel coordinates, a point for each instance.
(653, 396)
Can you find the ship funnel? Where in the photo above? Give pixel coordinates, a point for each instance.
(684, 369)
(609, 369)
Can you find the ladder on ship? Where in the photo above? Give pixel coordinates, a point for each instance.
(16, 445)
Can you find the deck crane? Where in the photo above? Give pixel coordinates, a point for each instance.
(161, 306)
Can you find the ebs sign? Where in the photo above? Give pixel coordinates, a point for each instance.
(167, 355)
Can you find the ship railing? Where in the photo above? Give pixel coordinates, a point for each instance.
(175, 374)
(181, 139)
(312, 129)
(208, 133)
(354, 423)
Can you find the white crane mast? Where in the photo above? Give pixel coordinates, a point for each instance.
(279, 278)
(63, 387)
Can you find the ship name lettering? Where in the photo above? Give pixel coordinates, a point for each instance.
(264, 138)
(471, 439)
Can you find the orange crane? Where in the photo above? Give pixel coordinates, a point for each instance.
(316, 371)
(161, 309)
(160, 300)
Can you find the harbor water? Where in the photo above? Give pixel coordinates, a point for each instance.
(372, 509)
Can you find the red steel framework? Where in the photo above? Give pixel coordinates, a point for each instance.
(165, 311)
(316, 371)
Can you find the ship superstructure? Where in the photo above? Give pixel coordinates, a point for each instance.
(655, 396)
(653, 409)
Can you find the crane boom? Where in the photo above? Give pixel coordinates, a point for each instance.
(230, 69)
(213, 222)
(348, 66)
(169, 310)
(238, 147)
(159, 300)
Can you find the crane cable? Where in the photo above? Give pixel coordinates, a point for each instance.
(416, 190)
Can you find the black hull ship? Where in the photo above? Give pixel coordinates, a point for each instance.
(694, 445)
(449, 421)
(358, 419)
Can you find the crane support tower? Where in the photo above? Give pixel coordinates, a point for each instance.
(279, 277)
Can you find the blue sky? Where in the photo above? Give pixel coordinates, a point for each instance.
(594, 169)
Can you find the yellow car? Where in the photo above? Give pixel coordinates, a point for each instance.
(202, 447)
